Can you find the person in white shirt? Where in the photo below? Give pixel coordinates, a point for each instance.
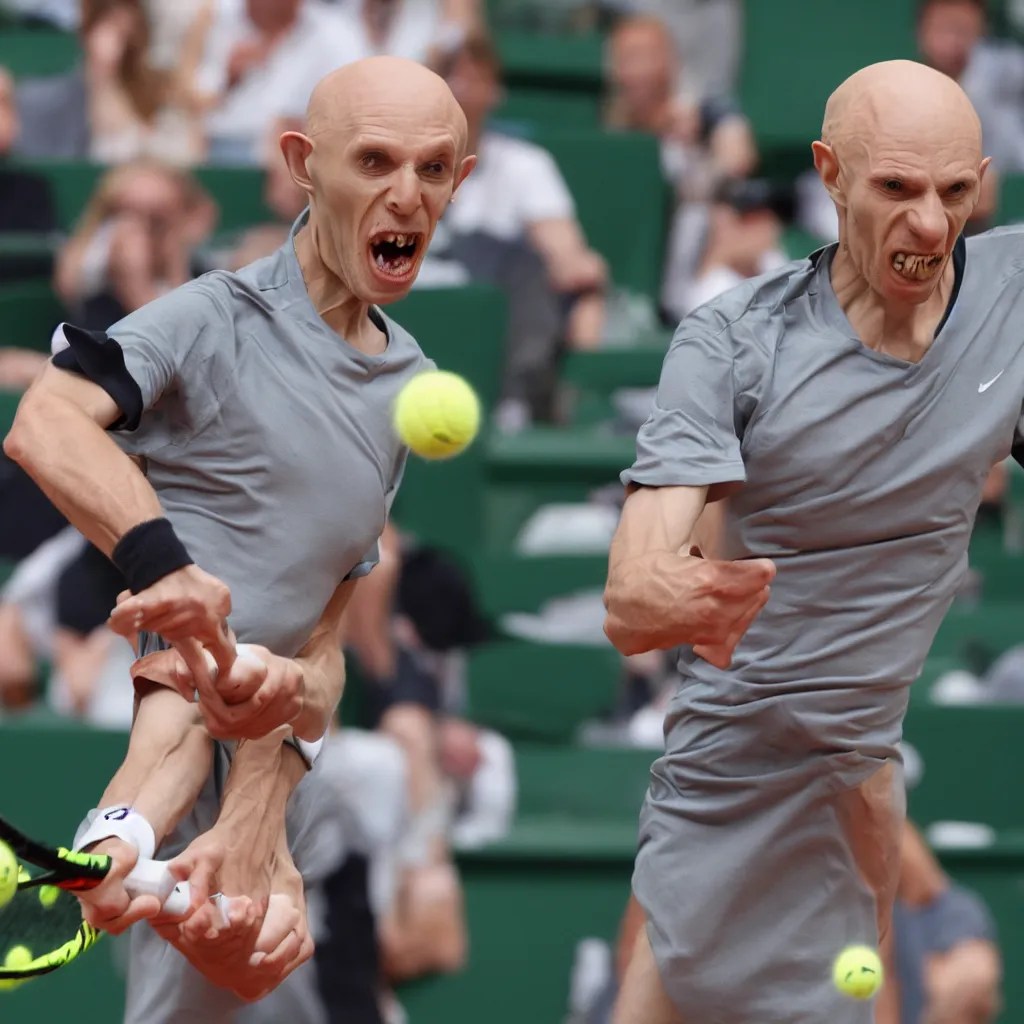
(517, 193)
(261, 61)
(421, 30)
(744, 238)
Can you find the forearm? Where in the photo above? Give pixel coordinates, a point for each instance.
(78, 466)
(169, 759)
(643, 605)
(650, 569)
(323, 673)
(262, 777)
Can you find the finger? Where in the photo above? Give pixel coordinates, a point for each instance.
(737, 579)
(720, 654)
(278, 959)
(198, 665)
(201, 877)
(139, 909)
(222, 647)
(242, 681)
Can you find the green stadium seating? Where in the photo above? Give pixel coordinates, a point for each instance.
(549, 453)
(540, 691)
(237, 190)
(627, 227)
(29, 311)
(546, 464)
(462, 330)
(978, 634)
(796, 53)
(1011, 199)
(30, 52)
(26, 257)
(513, 583)
(606, 369)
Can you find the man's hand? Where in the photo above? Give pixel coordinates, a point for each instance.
(741, 591)
(254, 952)
(189, 609)
(108, 906)
(258, 693)
(713, 603)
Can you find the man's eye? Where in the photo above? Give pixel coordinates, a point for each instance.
(893, 185)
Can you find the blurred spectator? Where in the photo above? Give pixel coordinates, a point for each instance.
(281, 196)
(54, 609)
(404, 631)
(261, 60)
(951, 38)
(744, 232)
(26, 204)
(948, 967)
(702, 143)
(708, 34)
(421, 30)
(134, 242)
(61, 14)
(513, 224)
(115, 105)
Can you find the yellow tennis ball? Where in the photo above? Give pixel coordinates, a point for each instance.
(8, 874)
(857, 972)
(17, 958)
(437, 414)
(48, 895)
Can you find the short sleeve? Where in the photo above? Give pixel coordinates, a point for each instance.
(690, 438)
(169, 345)
(544, 193)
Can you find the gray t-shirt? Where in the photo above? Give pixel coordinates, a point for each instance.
(861, 478)
(267, 437)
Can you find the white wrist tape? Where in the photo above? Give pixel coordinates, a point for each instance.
(117, 822)
(309, 752)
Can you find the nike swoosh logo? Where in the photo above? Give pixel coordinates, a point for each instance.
(984, 387)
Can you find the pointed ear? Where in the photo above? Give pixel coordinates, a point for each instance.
(296, 147)
(827, 166)
(465, 168)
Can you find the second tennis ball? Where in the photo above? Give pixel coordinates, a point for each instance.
(437, 414)
(18, 957)
(857, 972)
(8, 874)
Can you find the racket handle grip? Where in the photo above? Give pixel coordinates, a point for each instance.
(152, 878)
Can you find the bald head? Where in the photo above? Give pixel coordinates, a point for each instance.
(898, 100)
(383, 89)
(900, 154)
(383, 154)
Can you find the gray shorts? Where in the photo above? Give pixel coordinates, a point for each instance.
(759, 860)
(164, 988)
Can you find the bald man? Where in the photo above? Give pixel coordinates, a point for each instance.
(229, 447)
(850, 407)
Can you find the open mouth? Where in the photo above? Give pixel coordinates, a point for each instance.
(394, 253)
(916, 266)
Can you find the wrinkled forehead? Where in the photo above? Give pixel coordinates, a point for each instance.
(406, 129)
(925, 142)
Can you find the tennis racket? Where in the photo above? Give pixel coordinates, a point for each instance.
(41, 928)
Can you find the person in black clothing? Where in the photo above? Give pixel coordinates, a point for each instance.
(26, 203)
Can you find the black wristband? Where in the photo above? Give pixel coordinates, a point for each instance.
(149, 552)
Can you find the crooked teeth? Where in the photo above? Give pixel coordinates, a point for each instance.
(914, 265)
